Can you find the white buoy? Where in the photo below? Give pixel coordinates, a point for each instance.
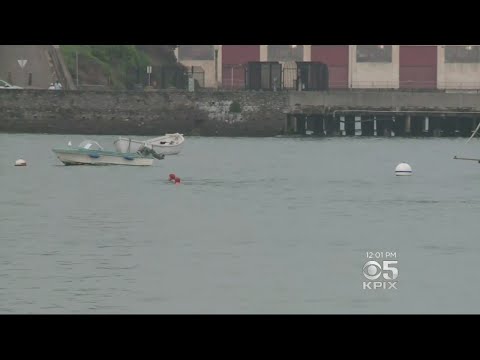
(69, 143)
(403, 169)
(20, 162)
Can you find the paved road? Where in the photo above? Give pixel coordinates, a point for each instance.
(38, 65)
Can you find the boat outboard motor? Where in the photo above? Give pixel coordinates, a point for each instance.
(158, 156)
(143, 150)
(146, 150)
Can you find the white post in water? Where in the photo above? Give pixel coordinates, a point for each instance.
(342, 125)
(358, 125)
(408, 122)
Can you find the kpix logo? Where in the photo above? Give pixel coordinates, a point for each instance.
(377, 274)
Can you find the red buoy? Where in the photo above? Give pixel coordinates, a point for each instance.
(171, 177)
(177, 180)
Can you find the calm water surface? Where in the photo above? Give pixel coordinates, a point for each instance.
(258, 226)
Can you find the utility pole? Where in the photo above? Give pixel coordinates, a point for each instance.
(149, 72)
(76, 57)
(216, 68)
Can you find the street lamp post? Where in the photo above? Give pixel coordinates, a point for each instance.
(216, 67)
(292, 55)
(76, 60)
(149, 72)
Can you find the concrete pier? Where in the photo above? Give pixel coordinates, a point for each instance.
(207, 112)
(435, 123)
(464, 127)
(300, 124)
(350, 125)
(341, 121)
(384, 125)
(368, 126)
(417, 125)
(332, 126)
(408, 125)
(426, 126)
(316, 123)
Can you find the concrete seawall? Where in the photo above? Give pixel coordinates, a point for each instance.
(207, 113)
(142, 113)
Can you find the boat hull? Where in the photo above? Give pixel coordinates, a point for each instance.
(168, 149)
(79, 157)
(125, 145)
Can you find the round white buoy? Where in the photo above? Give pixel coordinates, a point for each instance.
(20, 162)
(403, 169)
(69, 143)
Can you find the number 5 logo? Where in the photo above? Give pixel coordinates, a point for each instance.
(387, 268)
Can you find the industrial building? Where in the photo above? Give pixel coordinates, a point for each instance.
(429, 67)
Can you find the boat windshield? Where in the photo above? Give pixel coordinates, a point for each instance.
(90, 145)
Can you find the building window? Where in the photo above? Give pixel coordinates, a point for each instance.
(285, 53)
(196, 52)
(462, 54)
(374, 53)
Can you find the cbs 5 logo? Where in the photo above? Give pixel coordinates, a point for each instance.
(373, 270)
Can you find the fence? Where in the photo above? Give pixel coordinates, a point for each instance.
(416, 85)
(60, 70)
(274, 76)
(198, 75)
(93, 75)
(305, 76)
(267, 76)
(233, 77)
(264, 76)
(290, 76)
(174, 77)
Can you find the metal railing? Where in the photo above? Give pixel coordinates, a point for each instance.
(455, 85)
(61, 68)
(172, 77)
(375, 84)
(233, 76)
(290, 78)
(412, 85)
(199, 77)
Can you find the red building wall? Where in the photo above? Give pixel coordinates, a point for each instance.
(234, 60)
(418, 67)
(336, 57)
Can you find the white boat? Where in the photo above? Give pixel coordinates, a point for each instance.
(169, 144)
(90, 152)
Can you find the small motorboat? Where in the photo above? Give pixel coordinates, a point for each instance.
(90, 152)
(169, 144)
